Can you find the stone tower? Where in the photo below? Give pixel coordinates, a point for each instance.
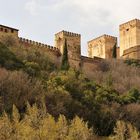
(73, 43)
(73, 46)
(129, 38)
(8, 31)
(102, 47)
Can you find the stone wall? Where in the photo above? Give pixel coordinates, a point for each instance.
(132, 53)
(90, 65)
(53, 53)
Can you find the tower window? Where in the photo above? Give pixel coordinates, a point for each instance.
(1, 29)
(12, 31)
(127, 29)
(6, 30)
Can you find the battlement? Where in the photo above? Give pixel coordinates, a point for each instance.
(66, 33)
(130, 23)
(105, 36)
(3, 26)
(38, 44)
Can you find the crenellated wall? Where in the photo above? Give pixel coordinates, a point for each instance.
(28, 43)
(99, 48)
(90, 65)
(52, 52)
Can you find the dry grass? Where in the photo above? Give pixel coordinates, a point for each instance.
(122, 76)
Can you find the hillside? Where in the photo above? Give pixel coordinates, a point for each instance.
(39, 100)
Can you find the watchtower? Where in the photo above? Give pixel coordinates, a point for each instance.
(73, 44)
(8, 31)
(129, 35)
(102, 46)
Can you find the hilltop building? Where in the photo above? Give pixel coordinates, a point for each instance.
(99, 49)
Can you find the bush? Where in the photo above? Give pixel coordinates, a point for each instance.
(8, 59)
(16, 88)
(37, 124)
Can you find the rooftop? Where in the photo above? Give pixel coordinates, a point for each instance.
(68, 33)
(102, 36)
(131, 21)
(8, 27)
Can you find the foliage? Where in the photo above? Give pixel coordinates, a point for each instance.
(16, 88)
(132, 62)
(8, 59)
(65, 63)
(114, 53)
(125, 131)
(37, 124)
(111, 95)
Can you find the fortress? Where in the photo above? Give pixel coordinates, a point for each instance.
(99, 49)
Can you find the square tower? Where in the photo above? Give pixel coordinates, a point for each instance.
(129, 35)
(73, 43)
(102, 47)
(8, 31)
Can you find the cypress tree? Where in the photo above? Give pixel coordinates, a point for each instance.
(65, 63)
(114, 53)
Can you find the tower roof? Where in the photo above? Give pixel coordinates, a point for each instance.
(8, 27)
(131, 21)
(68, 33)
(103, 36)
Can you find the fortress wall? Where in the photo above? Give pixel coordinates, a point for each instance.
(132, 53)
(90, 65)
(51, 51)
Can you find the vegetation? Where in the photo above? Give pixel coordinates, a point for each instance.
(40, 101)
(39, 125)
(114, 51)
(65, 63)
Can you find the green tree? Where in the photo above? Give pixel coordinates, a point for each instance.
(114, 53)
(65, 63)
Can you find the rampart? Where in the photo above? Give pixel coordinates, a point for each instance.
(28, 43)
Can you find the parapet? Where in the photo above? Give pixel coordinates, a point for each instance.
(105, 36)
(91, 60)
(38, 44)
(132, 49)
(66, 33)
(130, 23)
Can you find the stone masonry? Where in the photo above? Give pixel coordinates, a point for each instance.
(98, 49)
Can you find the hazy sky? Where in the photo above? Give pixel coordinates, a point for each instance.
(40, 19)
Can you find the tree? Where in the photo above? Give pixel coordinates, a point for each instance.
(125, 131)
(114, 53)
(65, 63)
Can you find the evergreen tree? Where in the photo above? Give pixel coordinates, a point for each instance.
(65, 63)
(114, 53)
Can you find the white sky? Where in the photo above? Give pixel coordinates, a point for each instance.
(39, 20)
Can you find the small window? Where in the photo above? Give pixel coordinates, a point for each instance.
(1, 29)
(6, 30)
(12, 31)
(127, 29)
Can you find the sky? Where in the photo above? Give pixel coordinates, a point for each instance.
(39, 20)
